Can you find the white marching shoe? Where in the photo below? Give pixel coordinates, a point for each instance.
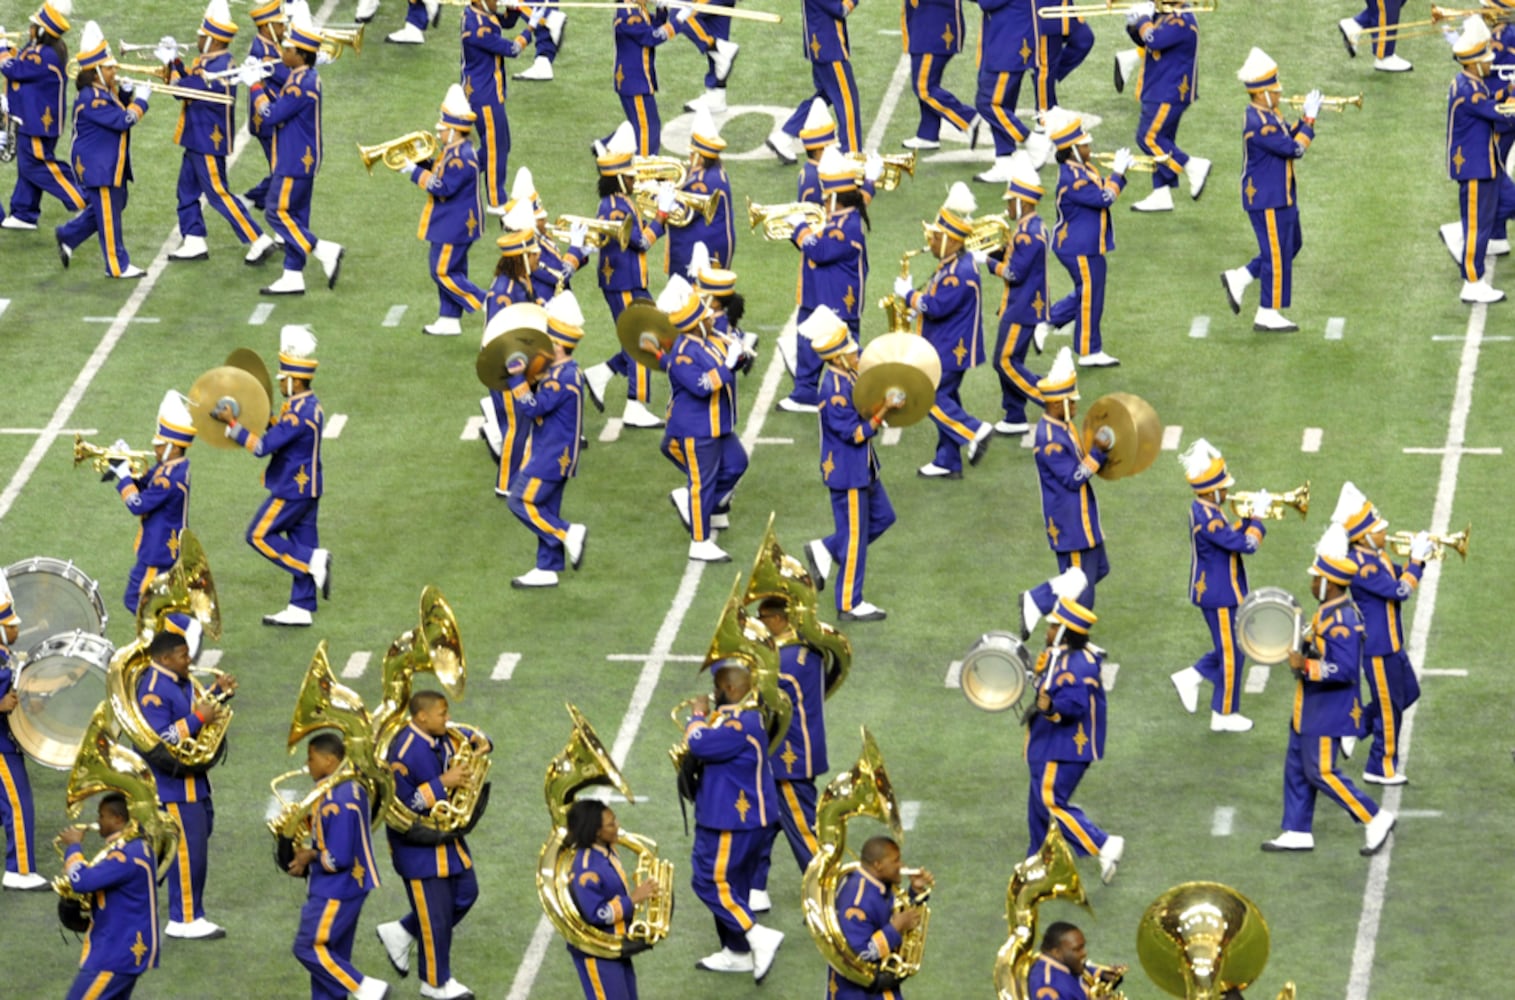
(366, 10)
(259, 249)
(1160, 200)
(1198, 171)
(1497, 248)
(1290, 840)
(1233, 723)
(720, 521)
(916, 142)
(292, 616)
(596, 379)
(539, 71)
(370, 988)
(636, 414)
(444, 326)
(765, 943)
(408, 35)
(320, 571)
(1272, 321)
(722, 57)
(708, 551)
(1451, 238)
(288, 283)
(1351, 31)
(1348, 745)
(790, 406)
(1109, 857)
(191, 248)
(778, 141)
(196, 930)
(1039, 148)
(725, 960)
(1378, 779)
(980, 442)
(1188, 681)
(680, 500)
(11, 222)
(1480, 292)
(534, 579)
(1030, 614)
(1235, 282)
(396, 941)
(25, 883)
(1393, 64)
(1007, 428)
(573, 543)
(1099, 359)
(864, 612)
(450, 990)
(818, 560)
(997, 174)
(712, 100)
(330, 256)
(1379, 828)
(556, 21)
(132, 271)
(758, 901)
(1126, 63)
(1039, 336)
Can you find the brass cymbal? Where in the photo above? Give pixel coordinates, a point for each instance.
(517, 329)
(251, 362)
(1138, 433)
(642, 316)
(239, 384)
(902, 362)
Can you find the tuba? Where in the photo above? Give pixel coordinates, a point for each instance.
(776, 574)
(1201, 939)
(584, 762)
(864, 790)
(1050, 873)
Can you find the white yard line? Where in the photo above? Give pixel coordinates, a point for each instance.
(612, 430)
(1335, 326)
(774, 441)
(209, 659)
(891, 436)
(395, 314)
(333, 427)
(1221, 821)
(357, 663)
(1173, 435)
(910, 811)
(642, 658)
(897, 84)
(954, 674)
(1199, 327)
(4, 305)
(505, 666)
(134, 319)
(1444, 673)
(86, 431)
(260, 314)
(1361, 978)
(1310, 442)
(1107, 673)
(471, 428)
(1257, 679)
(1443, 451)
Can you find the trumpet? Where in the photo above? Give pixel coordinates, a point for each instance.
(1433, 25)
(601, 231)
(413, 146)
(687, 204)
(1141, 163)
(101, 459)
(1337, 104)
(895, 168)
(158, 71)
(1399, 543)
(235, 70)
(773, 218)
(1123, 7)
(1244, 503)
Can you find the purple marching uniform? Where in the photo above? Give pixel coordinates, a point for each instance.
(1069, 507)
(700, 437)
(206, 132)
(1062, 44)
(1268, 195)
(102, 162)
(637, 34)
(732, 811)
(952, 321)
(1379, 589)
(932, 33)
(1059, 752)
(450, 223)
(340, 879)
(555, 409)
(829, 52)
(160, 498)
(1485, 195)
(718, 235)
(1217, 586)
(167, 705)
(266, 51)
(833, 271)
(294, 119)
(439, 877)
(1382, 15)
(1052, 980)
(1006, 52)
(801, 754)
(704, 33)
(860, 508)
(1168, 84)
(1083, 236)
(35, 87)
(485, 49)
(514, 432)
(122, 942)
(284, 530)
(866, 906)
(623, 279)
(602, 892)
(1025, 304)
(16, 811)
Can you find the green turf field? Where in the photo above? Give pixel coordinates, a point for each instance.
(409, 502)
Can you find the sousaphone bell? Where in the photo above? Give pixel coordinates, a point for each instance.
(898, 363)
(250, 399)
(1202, 939)
(518, 330)
(1138, 433)
(642, 316)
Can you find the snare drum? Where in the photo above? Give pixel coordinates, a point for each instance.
(59, 687)
(1268, 625)
(995, 670)
(52, 597)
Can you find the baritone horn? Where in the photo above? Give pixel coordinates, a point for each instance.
(1244, 503)
(601, 231)
(1337, 104)
(774, 218)
(335, 40)
(413, 146)
(101, 459)
(1400, 542)
(896, 166)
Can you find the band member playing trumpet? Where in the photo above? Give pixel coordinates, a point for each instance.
(732, 810)
(35, 87)
(874, 929)
(340, 873)
(439, 877)
(1065, 471)
(485, 49)
(604, 896)
(159, 498)
(932, 34)
(1380, 18)
(1268, 193)
(952, 321)
(17, 815)
(454, 213)
(170, 705)
(1326, 707)
(823, 30)
(102, 154)
(293, 113)
(1169, 84)
(285, 530)
(123, 933)
(554, 269)
(1063, 970)
(1024, 309)
(1486, 195)
(1379, 588)
(1217, 585)
(1066, 733)
(707, 178)
(1007, 51)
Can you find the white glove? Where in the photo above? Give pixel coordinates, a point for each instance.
(1313, 101)
(125, 86)
(1263, 501)
(123, 470)
(537, 13)
(734, 354)
(1146, 9)
(322, 58)
(142, 89)
(578, 235)
(873, 167)
(1421, 546)
(648, 342)
(683, 15)
(167, 50)
(251, 71)
(120, 445)
(408, 168)
(666, 199)
(1450, 34)
(980, 258)
(1123, 160)
(1104, 438)
(903, 288)
(795, 220)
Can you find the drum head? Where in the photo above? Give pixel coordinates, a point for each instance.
(51, 597)
(1267, 625)
(994, 671)
(58, 689)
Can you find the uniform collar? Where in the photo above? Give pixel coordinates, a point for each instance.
(169, 675)
(1328, 606)
(1044, 957)
(873, 880)
(431, 740)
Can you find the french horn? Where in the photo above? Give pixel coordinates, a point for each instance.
(584, 763)
(777, 574)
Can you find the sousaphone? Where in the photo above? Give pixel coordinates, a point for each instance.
(250, 398)
(643, 316)
(1200, 940)
(1138, 433)
(899, 366)
(518, 331)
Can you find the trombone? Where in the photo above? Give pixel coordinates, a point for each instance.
(159, 74)
(1124, 7)
(127, 48)
(1244, 503)
(601, 231)
(101, 459)
(1399, 543)
(1337, 104)
(1433, 25)
(1141, 163)
(738, 14)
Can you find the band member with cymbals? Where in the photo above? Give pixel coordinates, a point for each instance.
(823, 30)
(1065, 470)
(604, 897)
(1168, 85)
(123, 933)
(505, 430)
(871, 923)
(159, 498)
(17, 815)
(1025, 308)
(35, 87)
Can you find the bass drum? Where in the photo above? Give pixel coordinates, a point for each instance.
(995, 670)
(1268, 625)
(58, 687)
(53, 597)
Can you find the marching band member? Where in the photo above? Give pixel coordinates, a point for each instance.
(639, 30)
(1062, 967)
(1168, 85)
(1382, 18)
(1006, 52)
(419, 15)
(102, 154)
(294, 117)
(623, 272)
(1062, 44)
(1065, 734)
(166, 697)
(505, 429)
(485, 49)
(1268, 193)
(340, 873)
(1065, 470)
(711, 36)
(268, 18)
(1085, 233)
(554, 268)
(284, 530)
(1042, 599)
(453, 216)
(952, 321)
(829, 52)
(732, 811)
(555, 408)
(159, 498)
(439, 877)
(604, 897)
(1379, 588)
(1486, 195)
(701, 438)
(16, 812)
(548, 39)
(122, 942)
(1217, 585)
(206, 132)
(707, 176)
(833, 263)
(860, 507)
(802, 676)
(933, 34)
(1023, 311)
(1326, 708)
(874, 929)
(515, 273)
(35, 89)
